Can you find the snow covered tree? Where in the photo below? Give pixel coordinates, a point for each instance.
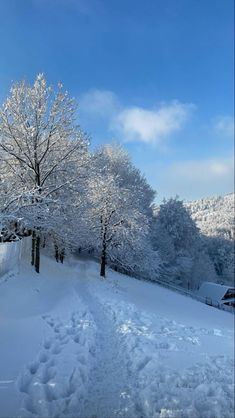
(67, 219)
(215, 218)
(203, 269)
(119, 199)
(176, 237)
(114, 159)
(40, 144)
(177, 222)
(221, 252)
(112, 218)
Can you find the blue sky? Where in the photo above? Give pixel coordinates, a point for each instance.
(154, 75)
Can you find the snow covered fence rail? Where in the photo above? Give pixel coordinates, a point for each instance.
(10, 254)
(185, 292)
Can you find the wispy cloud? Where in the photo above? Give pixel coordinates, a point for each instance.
(99, 103)
(131, 123)
(195, 178)
(203, 170)
(224, 126)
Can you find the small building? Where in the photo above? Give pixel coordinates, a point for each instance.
(216, 294)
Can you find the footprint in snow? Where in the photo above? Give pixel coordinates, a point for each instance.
(43, 357)
(71, 330)
(29, 406)
(47, 344)
(33, 367)
(56, 349)
(63, 339)
(48, 373)
(50, 393)
(76, 339)
(24, 381)
(72, 384)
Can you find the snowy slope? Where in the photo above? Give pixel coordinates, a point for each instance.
(73, 345)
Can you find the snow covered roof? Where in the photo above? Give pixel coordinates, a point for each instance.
(229, 300)
(214, 291)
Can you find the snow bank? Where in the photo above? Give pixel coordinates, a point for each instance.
(10, 253)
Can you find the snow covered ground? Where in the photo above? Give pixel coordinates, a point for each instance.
(10, 253)
(73, 345)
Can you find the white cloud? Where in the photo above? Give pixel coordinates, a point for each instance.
(224, 126)
(147, 125)
(99, 104)
(194, 179)
(134, 123)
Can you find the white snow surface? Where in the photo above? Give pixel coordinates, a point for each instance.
(75, 345)
(10, 253)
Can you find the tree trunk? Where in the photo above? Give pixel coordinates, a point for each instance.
(38, 239)
(62, 256)
(104, 244)
(33, 248)
(103, 256)
(102, 264)
(37, 255)
(56, 253)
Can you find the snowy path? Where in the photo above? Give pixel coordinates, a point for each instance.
(109, 390)
(179, 370)
(54, 384)
(113, 348)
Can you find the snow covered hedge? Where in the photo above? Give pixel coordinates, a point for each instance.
(10, 253)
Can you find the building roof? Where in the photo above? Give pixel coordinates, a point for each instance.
(229, 300)
(214, 291)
